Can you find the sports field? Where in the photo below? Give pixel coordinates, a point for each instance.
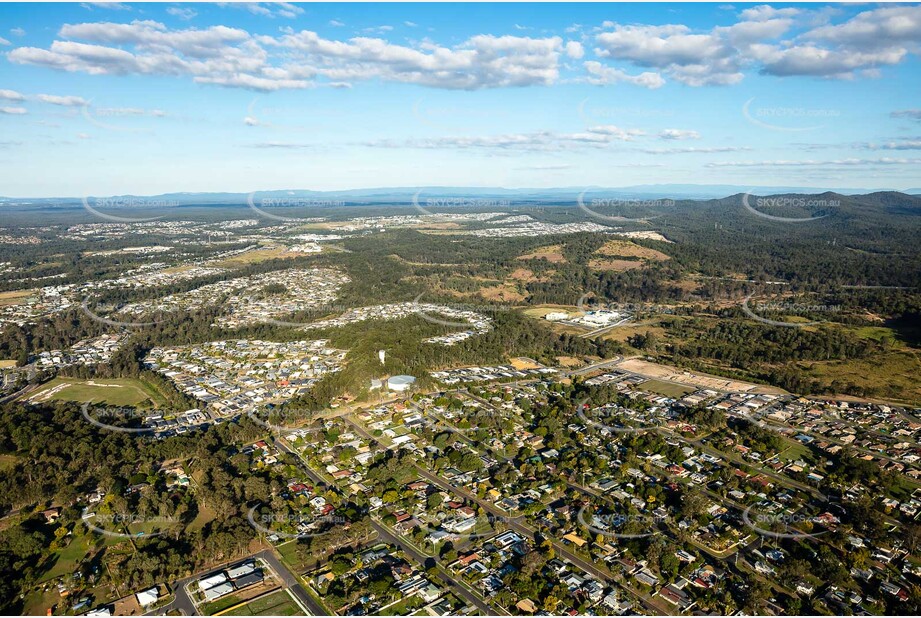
(115, 392)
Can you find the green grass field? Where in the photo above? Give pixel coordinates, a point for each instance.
(274, 604)
(892, 376)
(795, 451)
(65, 561)
(204, 516)
(15, 297)
(666, 388)
(209, 609)
(288, 553)
(117, 392)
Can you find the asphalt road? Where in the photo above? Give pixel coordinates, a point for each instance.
(421, 558)
(291, 583)
(183, 604)
(657, 607)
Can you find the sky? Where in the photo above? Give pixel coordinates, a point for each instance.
(111, 99)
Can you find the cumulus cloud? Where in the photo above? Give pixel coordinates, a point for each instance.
(12, 95)
(574, 50)
(113, 6)
(882, 27)
(766, 12)
(678, 134)
(65, 101)
(775, 41)
(185, 14)
(602, 75)
(267, 9)
(859, 47)
(232, 57)
(691, 58)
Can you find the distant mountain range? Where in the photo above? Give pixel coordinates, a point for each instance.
(397, 195)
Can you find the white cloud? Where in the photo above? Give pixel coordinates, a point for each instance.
(113, 6)
(602, 75)
(336, 22)
(231, 57)
(903, 144)
(66, 101)
(185, 14)
(574, 49)
(679, 134)
(765, 12)
(11, 95)
(18, 31)
(692, 58)
(266, 9)
(593, 137)
(858, 47)
(17, 111)
(821, 62)
(410, 24)
(4, 41)
(882, 27)
(84, 136)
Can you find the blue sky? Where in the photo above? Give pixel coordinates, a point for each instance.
(144, 99)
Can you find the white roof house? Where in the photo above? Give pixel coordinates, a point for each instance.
(241, 569)
(148, 597)
(218, 591)
(210, 582)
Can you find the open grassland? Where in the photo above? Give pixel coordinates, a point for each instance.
(539, 311)
(15, 297)
(273, 604)
(64, 561)
(627, 249)
(625, 332)
(551, 253)
(892, 375)
(669, 389)
(614, 264)
(256, 256)
(205, 515)
(623, 255)
(7, 363)
(117, 392)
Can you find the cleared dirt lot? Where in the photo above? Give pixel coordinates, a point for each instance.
(700, 380)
